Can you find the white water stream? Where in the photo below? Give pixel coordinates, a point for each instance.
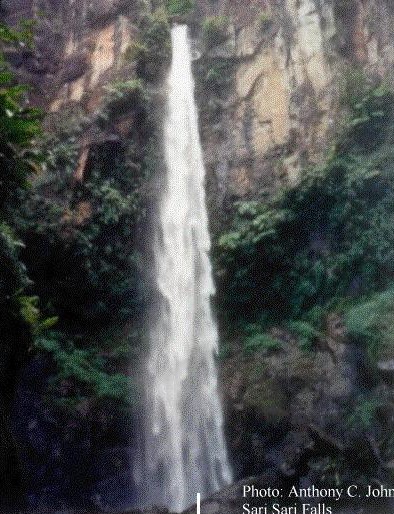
(185, 451)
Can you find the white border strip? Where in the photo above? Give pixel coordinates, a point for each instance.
(198, 503)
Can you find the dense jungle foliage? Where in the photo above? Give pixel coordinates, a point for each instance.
(325, 243)
(19, 157)
(70, 259)
(314, 264)
(72, 282)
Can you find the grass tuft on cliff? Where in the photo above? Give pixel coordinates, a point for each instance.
(215, 30)
(179, 7)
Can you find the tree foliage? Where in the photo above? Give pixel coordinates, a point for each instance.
(215, 30)
(179, 7)
(329, 236)
(83, 245)
(371, 323)
(87, 372)
(19, 124)
(19, 157)
(153, 49)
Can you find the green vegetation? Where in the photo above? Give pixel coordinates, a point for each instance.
(258, 340)
(305, 332)
(179, 7)
(19, 126)
(265, 20)
(19, 157)
(90, 232)
(153, 49)
(123, 96)
(22, 36)
(90, 245)
(85, 370)
(371, 322)
(363, 413)
(218, 76)
(86, 232)
(327, 238)
(31, 314)
(214, 84)
(215, 29)
(135, 52)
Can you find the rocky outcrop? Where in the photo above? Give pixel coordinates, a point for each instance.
(273, 398)
(79, 46)
(288, 62)
(269, 93)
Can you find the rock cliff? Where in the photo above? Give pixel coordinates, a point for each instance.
(270, 80)
(284, 65)
(270, 90)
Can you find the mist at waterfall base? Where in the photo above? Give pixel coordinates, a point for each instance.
(184, 451)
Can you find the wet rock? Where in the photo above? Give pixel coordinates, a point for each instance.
(113, 494)
(386, 370)
(386, 366)
(273, 400)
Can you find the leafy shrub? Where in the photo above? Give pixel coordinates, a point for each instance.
(218, 76)
(88, 236)
(372, 323)
(353, 86)
(85, 368)
(363, 413)
(31, 314)
(370, 110)
(93, 246)
(19, 157)
(317, 315)
(179, 7)
(20, 36)
(132, 89)
(13, 276)
(154, 46)
(123, 97)
(258, 340)
(215, 30)
(19, 126)
(370, 117)
(215, 79)
(306, 333)
(136, 51)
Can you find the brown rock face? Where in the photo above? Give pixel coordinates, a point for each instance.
(284, 62)
(289, 60)
(79, 46)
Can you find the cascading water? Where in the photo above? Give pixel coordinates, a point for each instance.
(185, 451)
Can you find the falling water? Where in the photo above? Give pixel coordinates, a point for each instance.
(185, 449)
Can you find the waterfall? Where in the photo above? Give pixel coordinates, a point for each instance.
(185, 451)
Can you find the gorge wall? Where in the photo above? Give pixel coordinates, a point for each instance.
(282, 64)
(286, 77)
(271, 76)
